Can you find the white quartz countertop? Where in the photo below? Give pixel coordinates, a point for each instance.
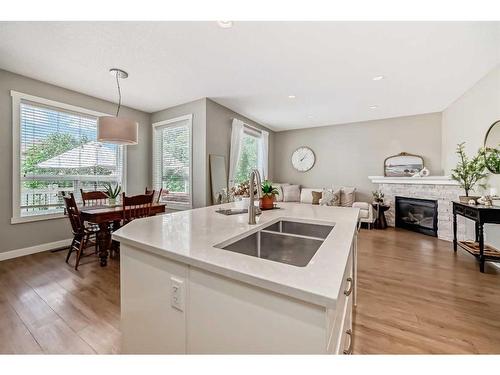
(190, 237)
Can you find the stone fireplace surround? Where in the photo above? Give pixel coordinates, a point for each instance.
(440, 188)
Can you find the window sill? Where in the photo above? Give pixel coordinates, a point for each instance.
(178, 207)
(31, 219)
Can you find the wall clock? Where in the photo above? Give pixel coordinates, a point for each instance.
(303, 159)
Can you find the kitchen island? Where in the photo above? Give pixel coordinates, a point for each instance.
(199, 281)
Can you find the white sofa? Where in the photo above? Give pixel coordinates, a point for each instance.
(365, 209)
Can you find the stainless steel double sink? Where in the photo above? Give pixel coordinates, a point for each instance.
(285, 241)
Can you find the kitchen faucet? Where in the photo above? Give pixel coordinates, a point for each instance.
(252, 210)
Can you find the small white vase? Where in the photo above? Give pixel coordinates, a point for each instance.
(112, 201)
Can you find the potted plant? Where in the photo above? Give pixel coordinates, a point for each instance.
(112, 193)
(268, 195)
(468, 172)
(378, 196)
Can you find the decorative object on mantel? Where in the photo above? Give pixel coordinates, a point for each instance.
(424, 172)
(403, 165)
(468, 172)
(112, 193)
(268, 195)
(114, 129)
(491, 149)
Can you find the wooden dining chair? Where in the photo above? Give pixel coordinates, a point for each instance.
(94, 198)
(157, 194)
(81, 234)
(136, 206)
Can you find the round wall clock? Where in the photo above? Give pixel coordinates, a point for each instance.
(303, 159)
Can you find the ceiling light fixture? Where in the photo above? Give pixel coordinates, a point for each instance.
(373, 107)
(378, 78)
(291, 96)
(225, 24)
(114, 129)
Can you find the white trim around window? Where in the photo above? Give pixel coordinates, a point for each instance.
(17, 97)
(173, 122)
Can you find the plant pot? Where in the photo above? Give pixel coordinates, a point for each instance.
(466, 199)
(267, 202)
(112, 201)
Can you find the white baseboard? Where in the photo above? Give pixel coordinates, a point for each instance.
(34, 249)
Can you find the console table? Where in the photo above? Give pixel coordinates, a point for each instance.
(481, 215)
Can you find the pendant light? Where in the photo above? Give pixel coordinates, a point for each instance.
(114, 129)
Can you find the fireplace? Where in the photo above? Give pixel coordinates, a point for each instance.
(418, 215)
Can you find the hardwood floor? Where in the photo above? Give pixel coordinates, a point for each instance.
(415, 296)
(48, 307)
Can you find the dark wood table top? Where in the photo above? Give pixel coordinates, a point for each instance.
(100, 214)
(477, 206)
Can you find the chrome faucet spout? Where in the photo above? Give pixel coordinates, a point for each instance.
(254, 180)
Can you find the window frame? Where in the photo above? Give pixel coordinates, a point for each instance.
(17, 98)
(158, 126)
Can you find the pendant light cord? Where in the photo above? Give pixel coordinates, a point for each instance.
(119, 94)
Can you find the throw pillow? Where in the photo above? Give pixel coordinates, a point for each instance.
(330, 197)
(347, 196)
(291, 193)
(279, 186)
(316, 196)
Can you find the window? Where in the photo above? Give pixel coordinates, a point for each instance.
(172, 161)
(252, 154)
(55, 150)
(249, 156)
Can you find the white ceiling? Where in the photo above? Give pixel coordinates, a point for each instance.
(253, 67)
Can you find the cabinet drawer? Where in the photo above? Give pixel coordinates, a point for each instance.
(346, 340)
(336, 317)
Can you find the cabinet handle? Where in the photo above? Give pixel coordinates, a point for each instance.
(348, 292)
(349, 348)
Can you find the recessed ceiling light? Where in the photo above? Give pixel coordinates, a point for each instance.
(225, 24)
(291, 96)
(378, 78)
(309, 116)
(373, 107)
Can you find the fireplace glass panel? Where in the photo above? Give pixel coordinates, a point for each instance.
(419, 215)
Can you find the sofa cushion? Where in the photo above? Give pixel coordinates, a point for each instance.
(279, 187)
(317, 195)
(347, 196)
(306, 194)
(291, 193)
(330, 197)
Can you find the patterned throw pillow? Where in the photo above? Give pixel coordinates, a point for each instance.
(316, 196)
(330, 197)
(291, 193)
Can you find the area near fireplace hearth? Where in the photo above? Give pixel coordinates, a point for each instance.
(441, 189)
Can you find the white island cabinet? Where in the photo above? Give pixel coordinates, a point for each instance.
(188, 287)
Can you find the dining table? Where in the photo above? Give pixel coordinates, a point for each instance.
(105, 216)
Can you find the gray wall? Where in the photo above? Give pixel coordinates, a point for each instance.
(467, 120)
(219, 123)
(348, 154)
(17, 236)
(198, 109)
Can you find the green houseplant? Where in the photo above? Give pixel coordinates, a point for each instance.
(268, 194)
(468, 172)
(112, 192)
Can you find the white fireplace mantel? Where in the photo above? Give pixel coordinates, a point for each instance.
(430, 180)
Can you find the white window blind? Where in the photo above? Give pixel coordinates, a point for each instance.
(59, 152)
(172, 161)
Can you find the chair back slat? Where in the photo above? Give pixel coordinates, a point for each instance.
(136, 206)
(156, 194)
(94, 198)
(73, 214)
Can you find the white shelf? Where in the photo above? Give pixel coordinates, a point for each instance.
(430, 180)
